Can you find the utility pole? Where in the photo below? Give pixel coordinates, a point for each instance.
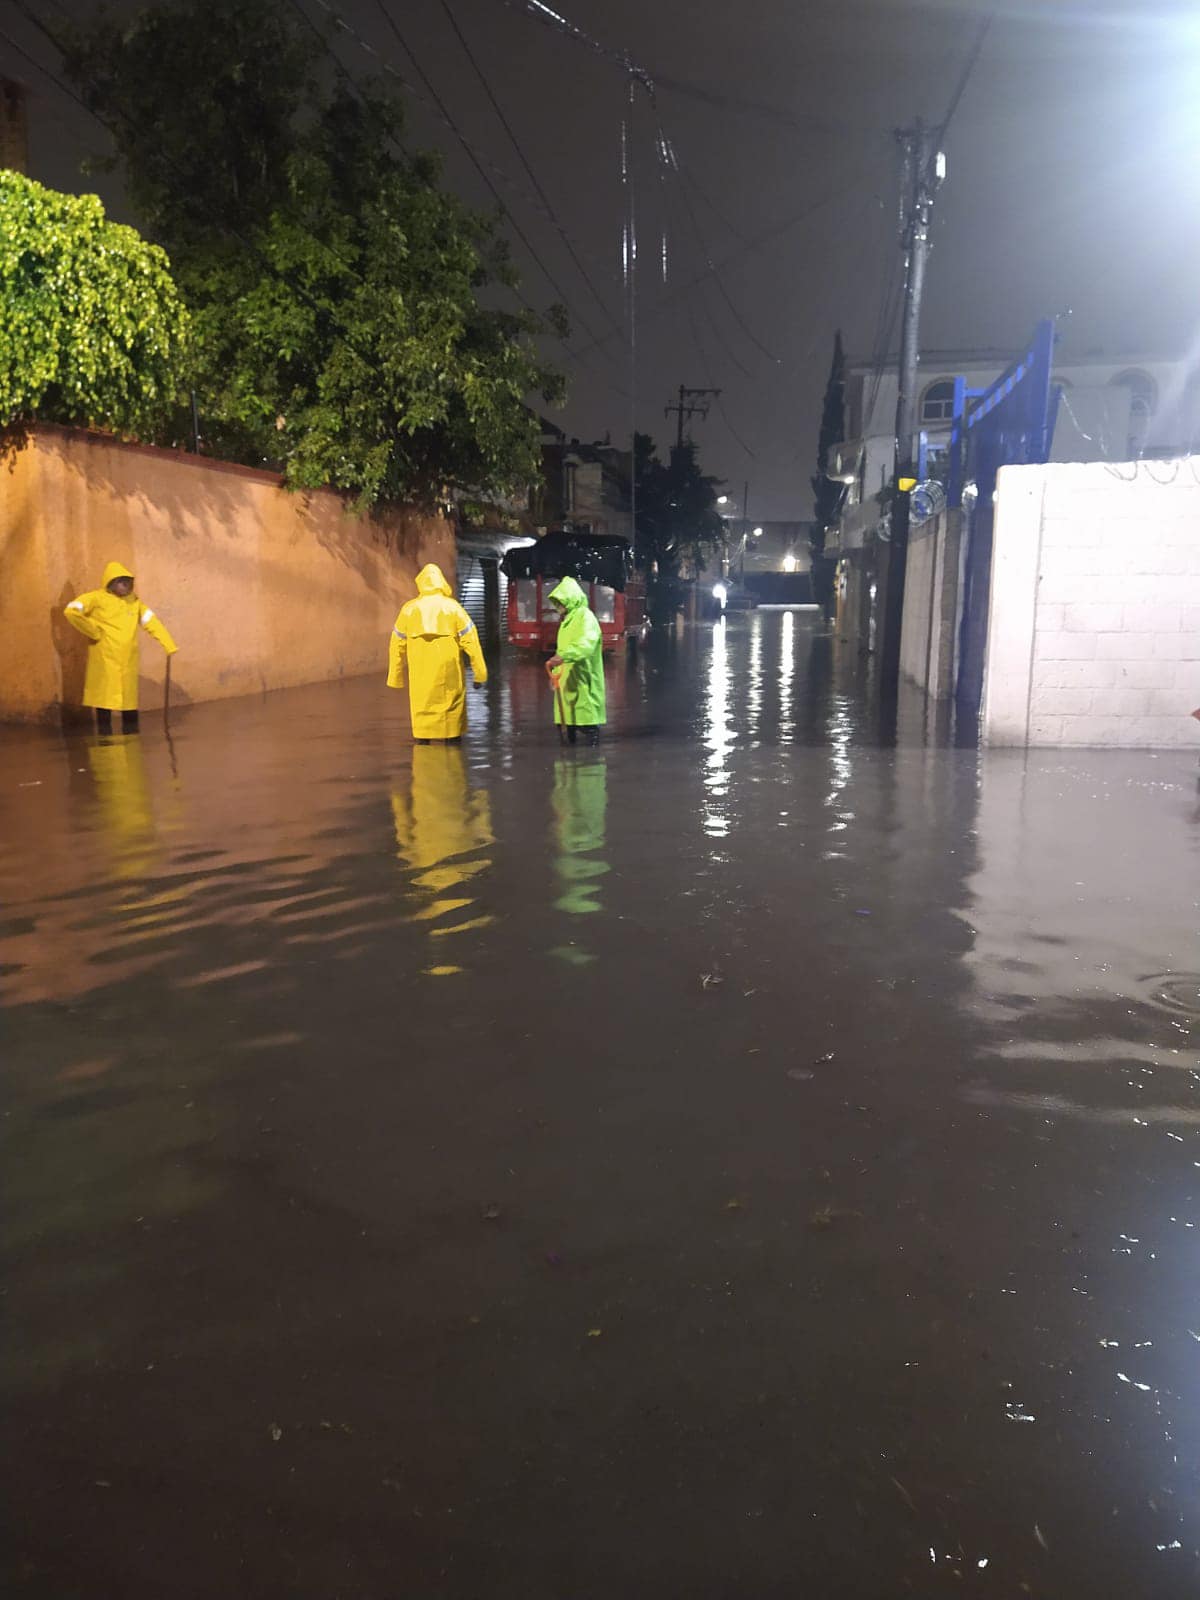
(745, 530)
(691, 403)
(924, 168)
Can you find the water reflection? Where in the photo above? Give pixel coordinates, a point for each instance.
(754, 692)
(123, 808)
(580, 805)
(719, 735)
(787, 670)
(442, 827)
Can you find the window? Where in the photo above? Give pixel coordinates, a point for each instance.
(937, 403)
(1143, 402)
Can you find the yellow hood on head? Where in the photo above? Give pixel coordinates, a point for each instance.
(114, 569)
(431, 580)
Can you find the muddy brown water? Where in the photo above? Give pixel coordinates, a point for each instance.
(751, 1160)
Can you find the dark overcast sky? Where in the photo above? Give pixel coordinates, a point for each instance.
(1073, 183)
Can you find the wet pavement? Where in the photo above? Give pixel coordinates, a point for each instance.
(748, 1161)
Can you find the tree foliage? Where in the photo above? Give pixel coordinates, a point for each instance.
(335, 287)
(677, 519)
(828, 495)
(93, 329)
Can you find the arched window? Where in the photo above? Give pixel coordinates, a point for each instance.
(937, 403)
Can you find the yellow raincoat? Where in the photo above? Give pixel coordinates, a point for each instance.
(431, 636)
(111, 623)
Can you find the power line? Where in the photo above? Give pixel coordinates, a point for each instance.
(706, 368)
(700, 239)
(529, 172)
(682, 86)
(348, 77)
(485, 168)
(716, 329)
(472, 155)
(717, 212)
(264, 261)
(968, 68)
(49, 76)
(753, 242)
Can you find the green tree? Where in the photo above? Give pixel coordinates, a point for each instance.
(335, 288)
(677, 518)
(92, 329)
(828, 495)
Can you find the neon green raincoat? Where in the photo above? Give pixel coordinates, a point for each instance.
(579, 697)
(111, 624)
(431, 636)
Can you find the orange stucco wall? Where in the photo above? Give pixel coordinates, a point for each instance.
(262, 589)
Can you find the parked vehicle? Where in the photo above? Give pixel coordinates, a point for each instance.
(601, 562)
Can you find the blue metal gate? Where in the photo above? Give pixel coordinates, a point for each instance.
(1008, 423)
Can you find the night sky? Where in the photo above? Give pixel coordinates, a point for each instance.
(1073, 184)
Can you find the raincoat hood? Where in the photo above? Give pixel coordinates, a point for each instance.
(569, 595)
(431, 580)
(114, 569)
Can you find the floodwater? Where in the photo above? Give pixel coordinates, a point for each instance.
(747, 1161)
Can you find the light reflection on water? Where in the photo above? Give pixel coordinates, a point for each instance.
(787, 672)
(719, 735)
(926, 1103)
(754, 688)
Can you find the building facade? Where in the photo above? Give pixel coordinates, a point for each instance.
(1112, 409)
(14, 126)
(582, 486)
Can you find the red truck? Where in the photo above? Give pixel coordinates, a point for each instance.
(601, 563)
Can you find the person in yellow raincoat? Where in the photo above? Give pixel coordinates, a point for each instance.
(109, 618)
(431, 637)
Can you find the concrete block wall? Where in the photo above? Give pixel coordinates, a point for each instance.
(1094, 630)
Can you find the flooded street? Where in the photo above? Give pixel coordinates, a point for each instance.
(749, 1160)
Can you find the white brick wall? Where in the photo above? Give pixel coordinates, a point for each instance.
(1094, 628)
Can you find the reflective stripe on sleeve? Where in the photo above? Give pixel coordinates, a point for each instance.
(147, 616)
(463, 632)
(398, 634)
(75, 605)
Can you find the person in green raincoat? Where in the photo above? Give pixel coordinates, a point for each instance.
(577, 666)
